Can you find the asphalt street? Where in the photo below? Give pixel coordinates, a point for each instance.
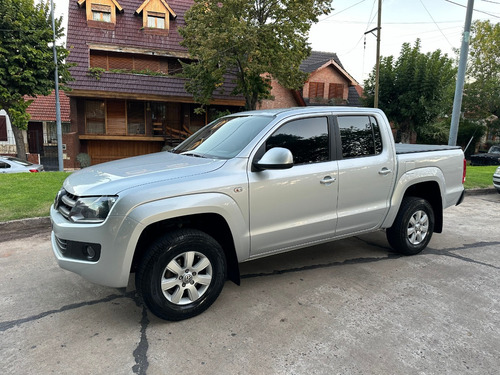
(347, 307)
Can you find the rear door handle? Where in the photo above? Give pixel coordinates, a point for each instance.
(384, 171)
(327, 180)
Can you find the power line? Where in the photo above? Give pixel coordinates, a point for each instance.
(394, 23)
(343, 10)
(475, 10)
(432, 18)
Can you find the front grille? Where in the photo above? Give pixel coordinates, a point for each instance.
(65, 202)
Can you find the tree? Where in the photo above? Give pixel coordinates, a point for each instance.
(415, 89)
(482, 91)
(244, 43)
(26, 59)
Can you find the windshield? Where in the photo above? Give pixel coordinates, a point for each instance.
(224, 138)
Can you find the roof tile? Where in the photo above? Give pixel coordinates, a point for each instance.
(43, 108)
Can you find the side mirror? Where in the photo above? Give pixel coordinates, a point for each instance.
(275, 158)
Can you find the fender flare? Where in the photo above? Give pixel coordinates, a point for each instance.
(155, 211)
(408, 180)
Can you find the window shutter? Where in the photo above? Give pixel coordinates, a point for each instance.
(316, 89)
(120, 61)
(99, 59)
(147, 63)
(336, 90)
(116, 117)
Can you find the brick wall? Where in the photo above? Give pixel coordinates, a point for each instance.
(327, 75)
(282, 98)
(33, 158)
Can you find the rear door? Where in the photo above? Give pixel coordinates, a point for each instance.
(294, 207)
(366, 173)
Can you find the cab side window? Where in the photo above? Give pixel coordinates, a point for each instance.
(360, 136)
(307, 139)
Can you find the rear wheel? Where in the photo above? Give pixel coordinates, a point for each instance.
(181, 274)
(413, 227)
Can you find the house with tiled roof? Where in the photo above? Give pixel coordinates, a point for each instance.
(40, 138)
(42, 130)
(328, 83)
(126, 98)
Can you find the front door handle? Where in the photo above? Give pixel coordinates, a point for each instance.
(384, 171)
(327, 180)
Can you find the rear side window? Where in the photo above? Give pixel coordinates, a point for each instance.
(307, 139)
(360, 136)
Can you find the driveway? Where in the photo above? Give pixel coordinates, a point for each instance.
(348, 307)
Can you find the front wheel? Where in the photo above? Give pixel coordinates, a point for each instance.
(413, 227)
(181, 274)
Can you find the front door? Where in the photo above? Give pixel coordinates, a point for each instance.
(294, 207)
(35, 138)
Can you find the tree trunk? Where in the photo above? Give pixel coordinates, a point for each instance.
(20, 146)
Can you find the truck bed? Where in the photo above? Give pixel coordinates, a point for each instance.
(404, 148)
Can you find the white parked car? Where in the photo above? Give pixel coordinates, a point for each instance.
(496, 179)
(10, 164)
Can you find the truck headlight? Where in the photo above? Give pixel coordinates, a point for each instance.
(91, 209)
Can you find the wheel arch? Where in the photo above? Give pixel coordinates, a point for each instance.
(431, 192)
(212, 224)
(427, 186)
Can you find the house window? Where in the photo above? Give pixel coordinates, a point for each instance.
(136, 123)
(156, 20)
(336, 91)
(51, 132)
(316, 89)
(101, 12)
(95, 118)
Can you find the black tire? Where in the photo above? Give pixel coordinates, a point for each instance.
(192, 267)
(413, 227)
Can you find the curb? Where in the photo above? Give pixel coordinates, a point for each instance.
(473, 192)
(25, 224)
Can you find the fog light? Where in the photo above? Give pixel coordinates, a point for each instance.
(90, 252)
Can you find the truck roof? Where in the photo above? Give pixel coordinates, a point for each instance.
(302, 110)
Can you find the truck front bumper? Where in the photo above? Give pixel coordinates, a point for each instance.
(101, 253)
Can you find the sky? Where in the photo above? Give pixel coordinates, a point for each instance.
(438, 24)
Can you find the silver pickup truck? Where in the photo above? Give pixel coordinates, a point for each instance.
(246, 186)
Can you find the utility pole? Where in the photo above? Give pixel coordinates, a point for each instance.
(459, 88)
(58, 106)
(377, 66)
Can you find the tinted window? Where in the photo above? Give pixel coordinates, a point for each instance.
(4, 165)
(307, 139)
(360, 136)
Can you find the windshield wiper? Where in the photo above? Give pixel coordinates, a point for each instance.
(192, 154)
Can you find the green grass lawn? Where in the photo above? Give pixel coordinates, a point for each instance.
(24, 195)
(479, 177)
